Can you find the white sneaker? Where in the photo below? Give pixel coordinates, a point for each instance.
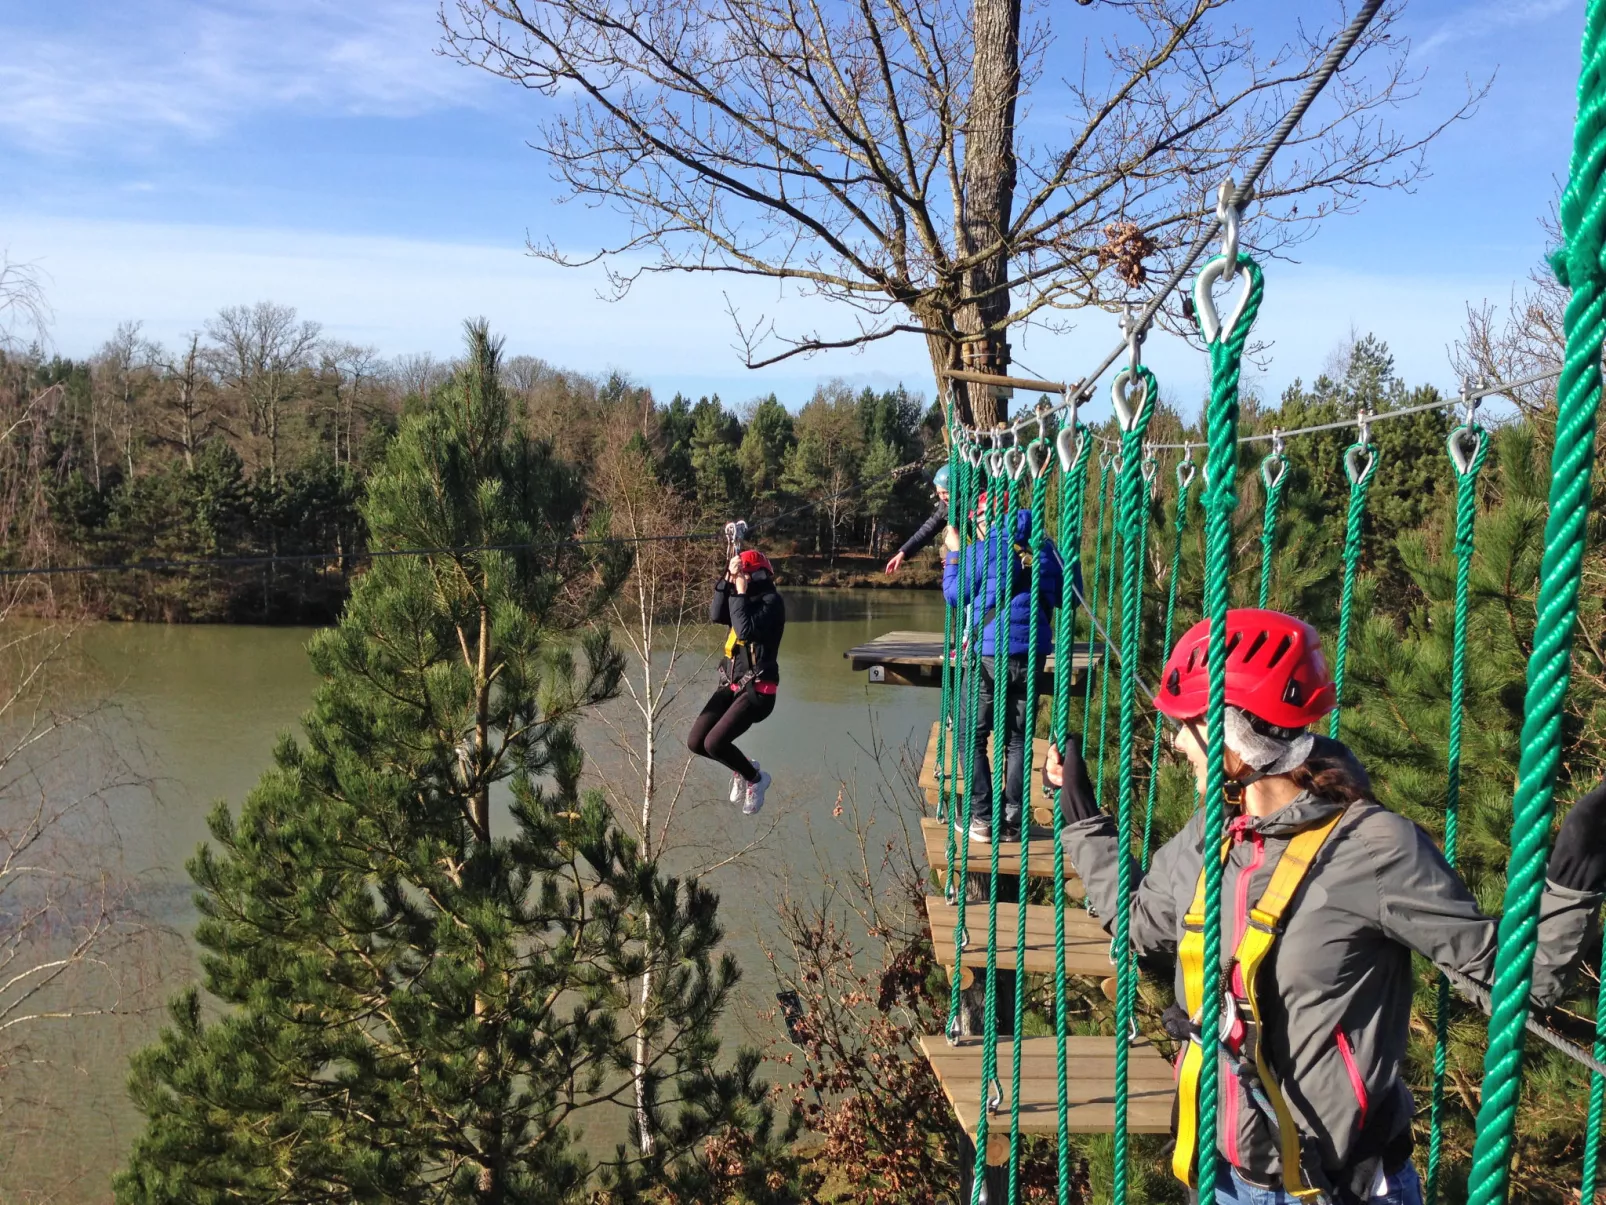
(755, 792)
(739, 786)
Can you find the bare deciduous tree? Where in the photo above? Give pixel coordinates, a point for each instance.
(260, 352)
(122, 378)
(875, 153)
(186, 414)
(354, 372)
(23, 305)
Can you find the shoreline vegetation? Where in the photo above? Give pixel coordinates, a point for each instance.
(251, 445)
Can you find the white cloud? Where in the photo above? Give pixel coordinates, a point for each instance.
(139, 70)
(1480, 20)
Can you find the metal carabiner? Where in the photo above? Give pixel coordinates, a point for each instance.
(1135, 334)
(1229, 211)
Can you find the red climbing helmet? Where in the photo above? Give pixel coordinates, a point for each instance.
(1275, 670)
(753, 561)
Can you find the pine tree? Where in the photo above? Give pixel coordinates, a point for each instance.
(419, 940)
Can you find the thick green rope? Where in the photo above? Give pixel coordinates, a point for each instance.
(1273, 475)
(1109, 626)
(1221, 500)
(1466, 516)
(1096, 667)
(1360, 481)
(948, 717)
(965, 743)
(1597, 1098)
(1002, 499)
(1185, 475)
(1039, 534)
(1578, 265)
(1132, 515)
(1073, 493)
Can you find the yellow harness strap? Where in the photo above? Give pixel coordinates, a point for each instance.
(731, 644)
(1260, 935)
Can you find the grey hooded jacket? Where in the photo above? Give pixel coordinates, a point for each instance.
(1336, 989)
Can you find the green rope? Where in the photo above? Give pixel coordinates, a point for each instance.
(1597, 1097)
(1185, 475)
(1039, 534)
(965, 745)
(1092, 588)
(1221, 500)
(1002, 498)
(1360, 481)
(948, 712)
(1273, 475)
(1578, 265)
(1132, 515)
(1466, 516)
(1073, 493)
(1109, 626)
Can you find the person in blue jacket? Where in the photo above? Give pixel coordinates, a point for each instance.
(977, 569)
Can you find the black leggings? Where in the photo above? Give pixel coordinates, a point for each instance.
(725, 716)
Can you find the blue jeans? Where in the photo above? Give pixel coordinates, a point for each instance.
(1405, 1188)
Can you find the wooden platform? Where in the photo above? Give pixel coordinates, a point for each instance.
(935, 833)
(1087, 945)
(1090, 1081)
(915, 659)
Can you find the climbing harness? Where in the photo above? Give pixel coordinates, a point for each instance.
(1194, 1138)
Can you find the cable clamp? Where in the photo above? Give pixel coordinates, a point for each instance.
(1229, 212)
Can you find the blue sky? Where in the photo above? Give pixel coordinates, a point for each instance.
(162, 158)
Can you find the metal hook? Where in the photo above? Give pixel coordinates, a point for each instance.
(1135, 334)
(1363, 428)
(1277, 444)
(1229, 209)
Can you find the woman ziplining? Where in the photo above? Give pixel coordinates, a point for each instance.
(997, 564)
(746, 599)
(1326, 894)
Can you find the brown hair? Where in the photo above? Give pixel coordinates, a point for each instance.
(1332, 773)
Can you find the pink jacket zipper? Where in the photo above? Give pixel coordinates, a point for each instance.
(1347, 1052)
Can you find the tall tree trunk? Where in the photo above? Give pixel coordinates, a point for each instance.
(989, 189)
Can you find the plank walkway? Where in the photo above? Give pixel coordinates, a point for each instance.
(915, 659)
(1090, 1087)
(1041, 865)
(1087, 945)
(1090, 1061)
(1040, 803)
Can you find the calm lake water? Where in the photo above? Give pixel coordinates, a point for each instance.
(198, 710)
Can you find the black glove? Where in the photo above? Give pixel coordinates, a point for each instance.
(1077, 801)
(1578, 859)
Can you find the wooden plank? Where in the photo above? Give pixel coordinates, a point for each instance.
(1087, 946)
(935, 833)
(1036, 797)
(1090, 1084)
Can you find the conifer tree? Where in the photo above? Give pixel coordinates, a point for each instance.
(418, 938)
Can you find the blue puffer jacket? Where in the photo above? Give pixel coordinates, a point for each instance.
(978, 567)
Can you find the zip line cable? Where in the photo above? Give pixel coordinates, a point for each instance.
(370, 554)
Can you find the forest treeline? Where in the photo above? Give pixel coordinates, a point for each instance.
(254, 438)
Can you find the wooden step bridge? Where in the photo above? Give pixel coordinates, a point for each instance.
(1090, 1061)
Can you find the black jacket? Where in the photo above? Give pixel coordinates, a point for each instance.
(757, 619)
(927, 532)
